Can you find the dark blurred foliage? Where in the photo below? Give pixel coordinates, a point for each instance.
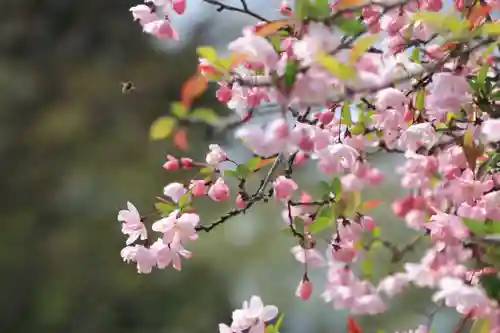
(73, 150)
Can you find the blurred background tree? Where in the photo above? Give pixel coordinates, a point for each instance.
(73, 150)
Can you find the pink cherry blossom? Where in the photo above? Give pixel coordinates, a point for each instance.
(143, 14)
(253, 315)
(132, 224)
(216, 155)
(391, 98)
(318, 38)
(179, 227)
(161, 29)
(448, 93)
(447, 228)
(284, 188)
(256, 48)
(394, 284)
(219, 191)
(169, 253)
(144, 258)
(491, 130)
(310, 256)
(198, 187)
(463, 297)
(175, 191)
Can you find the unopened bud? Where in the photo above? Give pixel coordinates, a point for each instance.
(304, 288)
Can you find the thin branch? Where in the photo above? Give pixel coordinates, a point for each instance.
(256, 197)
(244, 10)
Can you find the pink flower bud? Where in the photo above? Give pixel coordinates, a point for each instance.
(419, 203)
(286, 10)
(451, 172)
(367, 222)
(171, 164)
(300, 158)
(402, 206)
(216, 155)
(219, 191)
(434, 52)
(224, 94)
(206, 68)
(179, 6)
(198, 187)
(284, 187)
(186, 163)
(374, 176)
(325, 117)
(240, 203)
(432, 5)
(161, 29)
(408, 115)
(304, 289)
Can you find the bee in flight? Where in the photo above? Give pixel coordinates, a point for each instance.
(127, 87)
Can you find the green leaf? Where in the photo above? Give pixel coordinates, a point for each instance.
(350, 27)
(345, 115)
(482, 228)
(360, 46)
(415, 55)
(206, 114)
(290, 74)
(336, 186)
(206, 171)
(164, 208)
(358, 128)
(207, 52)
(178, 109)
(491, 284)
(253, 163)
(441, 21)
(491, 28)
(270, 329)
(320, 224)
(481, 325)
(243, 171)
(481, 76)
(231, 173)
(279, 322)
(324, 187)
(162, 128)
(325, 211)
(420, 100)
(335, 67)
(367, 267)
(312, 9)
(184, 200)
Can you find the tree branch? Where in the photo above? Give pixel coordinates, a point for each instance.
(244, 10)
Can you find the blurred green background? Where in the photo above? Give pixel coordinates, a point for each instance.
(74, 150)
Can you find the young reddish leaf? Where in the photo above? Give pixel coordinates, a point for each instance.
(343, 4)
(353, 326)
(193, 88)
(180, 139)
(272, 27)
(370, 204)
(264, 162)
(477, 15)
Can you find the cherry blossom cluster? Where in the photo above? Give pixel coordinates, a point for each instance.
(346, 80)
